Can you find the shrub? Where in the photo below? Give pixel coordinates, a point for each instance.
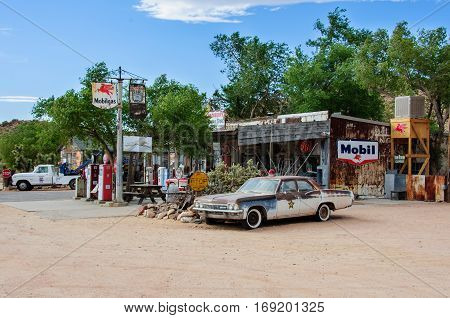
(225, 179)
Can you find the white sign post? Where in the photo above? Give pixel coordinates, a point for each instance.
(357, 152)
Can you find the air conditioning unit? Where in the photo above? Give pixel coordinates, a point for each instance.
(410, 107)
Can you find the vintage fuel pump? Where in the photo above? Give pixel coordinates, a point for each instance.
(91, 179)
(105, 183)
(162, 177)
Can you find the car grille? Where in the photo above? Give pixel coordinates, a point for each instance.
(215, 206)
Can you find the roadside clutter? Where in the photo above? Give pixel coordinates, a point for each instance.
(182, 211)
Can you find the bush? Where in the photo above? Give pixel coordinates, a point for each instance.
(225, 179)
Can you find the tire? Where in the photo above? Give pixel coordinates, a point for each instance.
(323, 213)
(23, 186)
(209, 221)
(72, 184)
(254, 219)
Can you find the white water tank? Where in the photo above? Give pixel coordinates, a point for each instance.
(409, 107)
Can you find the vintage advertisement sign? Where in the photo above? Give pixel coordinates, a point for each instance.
(217, 119)
(357, 152)
(137, 144)
(104, 95)
(198, 181)
(138, 106)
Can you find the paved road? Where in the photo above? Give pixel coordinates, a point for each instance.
(16, 196)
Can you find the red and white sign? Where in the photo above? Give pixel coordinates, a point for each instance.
(104, 95)
(6, 173)
(357, 152)
(217, 119)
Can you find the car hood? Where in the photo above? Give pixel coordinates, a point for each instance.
(22, 175)
(233, 197)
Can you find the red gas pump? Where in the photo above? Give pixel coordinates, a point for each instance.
(105, 183)
(91, 179)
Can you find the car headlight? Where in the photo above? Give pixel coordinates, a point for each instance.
(233, 206)
(196, 204)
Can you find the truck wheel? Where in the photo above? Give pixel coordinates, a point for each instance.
(254, 219)
(323, 213)
(23, 186)
(72, 184)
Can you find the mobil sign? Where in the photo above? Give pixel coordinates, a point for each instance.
(357, 152)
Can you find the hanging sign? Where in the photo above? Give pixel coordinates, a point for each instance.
(357, 152)
(104, 95)
(305, 146)
(138, 105)
(137, 144)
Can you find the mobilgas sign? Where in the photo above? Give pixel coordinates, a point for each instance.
(104, 95)
(357, 152)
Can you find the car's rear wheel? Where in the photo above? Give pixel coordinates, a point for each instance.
(72, 184)
(323, 213)
(254, 219)
(23, 186)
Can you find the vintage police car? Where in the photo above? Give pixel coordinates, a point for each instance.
(268, 198)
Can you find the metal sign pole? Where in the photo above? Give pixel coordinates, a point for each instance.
(119, 162)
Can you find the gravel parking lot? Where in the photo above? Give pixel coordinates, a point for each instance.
(374, 249)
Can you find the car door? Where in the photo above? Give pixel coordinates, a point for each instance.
(309, 197)
(287, 199)
(44, 175)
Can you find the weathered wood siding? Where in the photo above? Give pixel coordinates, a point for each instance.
(260, 134)
(366, 180)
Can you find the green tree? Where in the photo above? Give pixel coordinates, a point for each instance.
(327, 80)
(403, 64)
(31, 143)
(255, 72)
(179, 117)
(75, 116)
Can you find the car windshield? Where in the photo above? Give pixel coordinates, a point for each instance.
(259, 186)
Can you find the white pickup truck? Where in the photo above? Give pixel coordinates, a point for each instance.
(43, 175)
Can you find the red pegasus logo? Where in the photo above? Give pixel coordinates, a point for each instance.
(400, 128)
(106, 89)
(357, 158)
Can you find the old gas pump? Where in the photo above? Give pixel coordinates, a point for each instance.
(105, 183)
(162, 177)
(91, 179)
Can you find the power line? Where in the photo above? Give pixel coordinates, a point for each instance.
(431, 13)
(46, 32)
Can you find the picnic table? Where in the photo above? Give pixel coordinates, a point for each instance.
(143, 191)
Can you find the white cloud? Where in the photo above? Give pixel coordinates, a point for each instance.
(225, 11)
(5, 31)
(19, 99)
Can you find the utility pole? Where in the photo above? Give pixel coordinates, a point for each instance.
(119, 146)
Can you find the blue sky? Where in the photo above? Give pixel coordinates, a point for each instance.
(152, 37)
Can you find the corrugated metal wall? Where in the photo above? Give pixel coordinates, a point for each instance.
(366, 180)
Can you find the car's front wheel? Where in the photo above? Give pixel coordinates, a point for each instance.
(23, 186)
(254, 219)
(323, 213)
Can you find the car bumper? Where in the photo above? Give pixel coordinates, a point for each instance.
(222, 214)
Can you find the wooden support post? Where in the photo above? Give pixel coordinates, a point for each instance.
(393, 154)
(409, 156)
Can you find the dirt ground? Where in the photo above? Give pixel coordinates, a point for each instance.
(369, 250)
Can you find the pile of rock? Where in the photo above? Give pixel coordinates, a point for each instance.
(172, 211)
